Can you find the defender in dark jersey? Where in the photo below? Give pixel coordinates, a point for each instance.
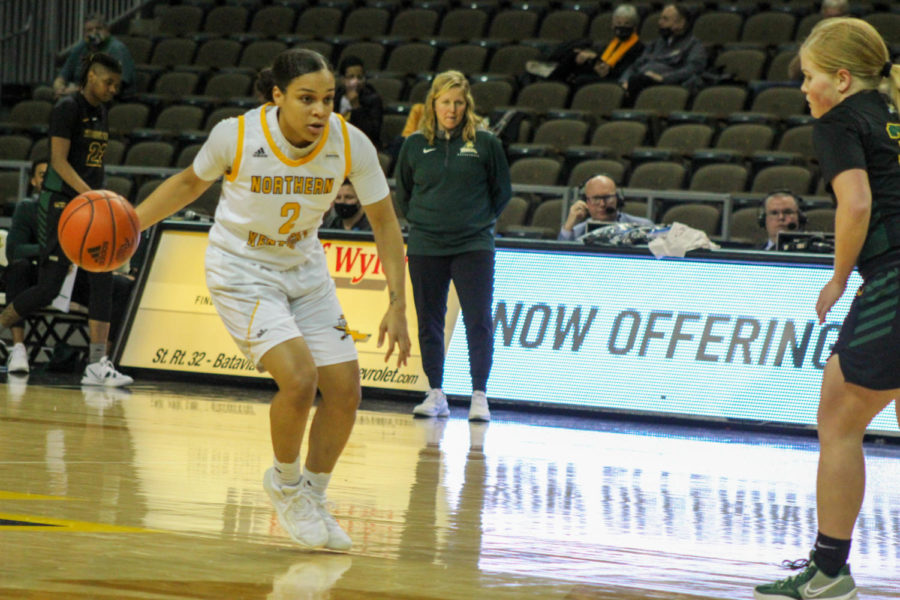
(78, 138)
(857, 141)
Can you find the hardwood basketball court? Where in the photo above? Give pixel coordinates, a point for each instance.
(156, 494)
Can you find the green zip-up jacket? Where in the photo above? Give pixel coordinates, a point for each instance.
(451, 192)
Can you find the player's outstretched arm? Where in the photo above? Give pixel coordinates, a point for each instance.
(389, 241)
(172, 195)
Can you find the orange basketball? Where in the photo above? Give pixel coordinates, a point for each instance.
(99, 230)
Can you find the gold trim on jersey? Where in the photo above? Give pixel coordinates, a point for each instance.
(236, 165)
(250, 323)
(277, 151)
(348, 161)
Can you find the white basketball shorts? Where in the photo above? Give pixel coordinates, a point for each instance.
(262, 307)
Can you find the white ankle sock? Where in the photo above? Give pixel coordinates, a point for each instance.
(317, 481)
(287, 473)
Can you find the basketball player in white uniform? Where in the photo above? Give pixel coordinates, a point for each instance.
(283, 164)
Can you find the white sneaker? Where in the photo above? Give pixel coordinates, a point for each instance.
(434, 405)
(478, 409)
(296, 512)
(104, 373)
(17, 361)
(337, 537)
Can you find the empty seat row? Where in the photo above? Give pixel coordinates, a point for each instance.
(526, 20)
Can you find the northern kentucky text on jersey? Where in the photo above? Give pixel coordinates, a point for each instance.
(290, 184)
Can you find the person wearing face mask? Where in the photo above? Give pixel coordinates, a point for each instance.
(673, 59)
(582, 62)
(346, 212)
(357, 101)
(96, 39)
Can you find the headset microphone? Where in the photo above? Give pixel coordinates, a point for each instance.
(792, 226)
(610, 210)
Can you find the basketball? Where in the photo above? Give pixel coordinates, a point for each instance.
(99, 230)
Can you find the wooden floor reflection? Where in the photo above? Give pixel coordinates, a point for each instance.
(156, 494)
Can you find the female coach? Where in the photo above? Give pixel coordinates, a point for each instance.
(452, 183)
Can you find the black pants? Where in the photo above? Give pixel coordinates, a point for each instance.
(473, 275)
(54, 266)
(637, 84)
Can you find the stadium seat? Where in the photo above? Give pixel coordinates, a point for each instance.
(769, 28)
(716, 28)
(115, 152)
(586, 169)
(216, 53)
(511, 59)
(723, 178)
(488, 95)
(794, 178)
(414, 23)
(273, 20)
(366, 22)
(466, 58)
(514, 214)
(887, 24)
(513, 25)
(548, 217)
(411, 59)
(150, 154)
(180, 20)
(535, 171)
(658, 176)
(226, 19)
(704, 217)
(319, 21)
(745, 226)
(28, 115)
(820, 219)
(15, 146)
(120, 185)
(745, 65)
(564, 25)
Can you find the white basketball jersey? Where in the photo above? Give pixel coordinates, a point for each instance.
(271, 205)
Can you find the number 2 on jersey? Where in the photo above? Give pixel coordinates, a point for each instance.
(291, 210)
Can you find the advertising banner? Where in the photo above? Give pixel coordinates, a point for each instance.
(688, 337)
(176, 327)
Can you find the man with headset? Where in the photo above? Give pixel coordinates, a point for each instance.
(780, 212)
(602, 202)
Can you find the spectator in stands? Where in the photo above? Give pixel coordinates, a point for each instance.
(602, 202)
(23, 252)
(357, 101)
(780, 212)
(676, 58)
(96, 39)
(346, 212)
(584, 61)
(830, 9)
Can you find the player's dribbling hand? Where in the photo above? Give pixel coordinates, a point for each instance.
(830, 294)
(393, 325)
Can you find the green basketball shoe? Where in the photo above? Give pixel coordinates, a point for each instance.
(811, 584)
